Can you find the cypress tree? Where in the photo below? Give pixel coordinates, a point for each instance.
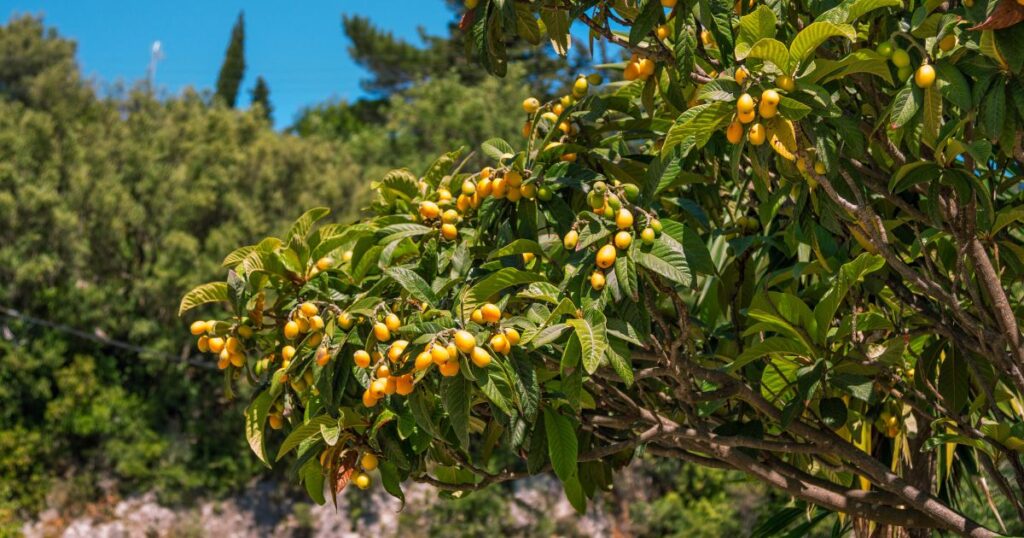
(233, 69)
(261, 95)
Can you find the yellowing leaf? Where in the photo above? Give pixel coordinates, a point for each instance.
(782, 137)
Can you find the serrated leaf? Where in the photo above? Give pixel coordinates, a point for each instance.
(905, 105)
(813, 35)
(563, 447)
(413, 284)
(526, 25)
(255, 419)
(211, 292)
(455, 395)
(593, 339)
(301, 227)
(754, 26)
(494, 283)
(770, 50)
(782, 138)
(302, 433)
(497, 149)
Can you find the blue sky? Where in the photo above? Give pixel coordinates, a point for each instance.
(297, 46)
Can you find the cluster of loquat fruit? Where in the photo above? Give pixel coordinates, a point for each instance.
(606, 201)
(924, 75)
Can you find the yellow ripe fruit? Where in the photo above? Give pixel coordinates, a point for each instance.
(393, 322)
(308, 309)
(767, 111)
(383, 371)
(223, 362)
(513, 178)
(568, 157)
(528, 257)
(499, 187)
(439, 354)
(484, 187)
(449, 231)
(477, 316)
(786, 83)
(404, 385)
(491, 312)
(624, 219)
(397, 349)
(322, 357)
(757, 134)
(369, 400)
(444, 195)
(315, 339)
(368, 462)
(291, 330)
(668, 3)
(647, 236)
(531, 105)
(819, 168)
(581, 86)
(632, 71)
(429, 210)
(645, 67)
(287, 352)
(453, 352)
(734, 133)
(423, 360)
(557, 111)
(948, 42)
(316, 323)
(276, 421)
(303, 325)
(245, 331)
(500, 344)
(742, 74)
(345, 321)
(470, 4)
(745, 104)
(324, 263)
(746, 117)
(514, 194)
(197, 328)
(378, 386)
(237, 359)
(480, 357)
(361, 358)
(597, 280)
(381, 332)
(770, 98)
(925, 76)
(464, 341)
(451, 216)
(606, 256)
(203, 344)
(572, 237)
(346, 256)
(390, 385)
(512, 335)
(529, 190)
(216, 344)
(622, 240)
(462, 203)
(564, 127)
(662, 32)
(449, 369)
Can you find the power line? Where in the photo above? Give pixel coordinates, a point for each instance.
(103, 340)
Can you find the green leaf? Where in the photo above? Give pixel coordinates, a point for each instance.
(954, 381)
(526, 25)
(593, 338)
(300, 434)
(301, 227)
(563, 447)
(255, 419)
(905, 105)
(932, 116)
(575, 495)
(770, 50)
(666, 259)
(313, 479)
(498, 149)
(494, 283)
(754, 26)
(237, 256)
(211, 292)
(518, 246)
(455, 394)
(848, 275)
(695, 126)
(413, 283)
(816, 33)
(644, 23)
(391, 481)
(556, 22)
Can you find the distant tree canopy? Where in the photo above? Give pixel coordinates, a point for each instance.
(261, 96)
(232, 70)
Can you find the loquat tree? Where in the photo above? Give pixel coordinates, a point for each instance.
(787, 243)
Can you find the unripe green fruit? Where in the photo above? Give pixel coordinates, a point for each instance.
(595, 79)
(656, 226)
(600, 187)
(900, 58)
(631, 191)
(544, 194)
(609, 213)
(904, 73)
(614, 202)
(885, 48)
(595, 199)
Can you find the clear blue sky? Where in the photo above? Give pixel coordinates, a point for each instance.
(297, 46)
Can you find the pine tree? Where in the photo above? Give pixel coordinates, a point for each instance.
(261, 95)
(233, 69)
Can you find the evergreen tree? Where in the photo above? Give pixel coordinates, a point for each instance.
(233, 69)
(261, 95)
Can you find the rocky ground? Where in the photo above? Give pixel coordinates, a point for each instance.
(262, 511)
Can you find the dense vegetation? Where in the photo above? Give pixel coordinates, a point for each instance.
(786, 244)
